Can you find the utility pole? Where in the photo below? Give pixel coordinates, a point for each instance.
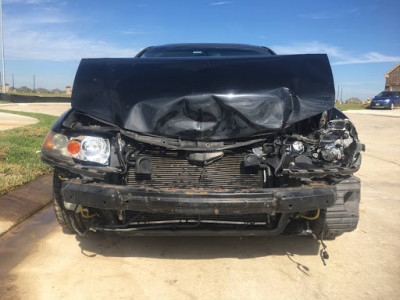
(34, 87)
(341, 95)
(13, 87)
(338, 94)
(3, 78)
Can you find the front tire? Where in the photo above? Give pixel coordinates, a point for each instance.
(63, 215)
(391, 106)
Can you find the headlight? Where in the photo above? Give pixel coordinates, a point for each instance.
(386, 100)
(85, 148)
(91, 148)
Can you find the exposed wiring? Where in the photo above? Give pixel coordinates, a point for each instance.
(323, 253)
(87, 216)
(312, 218)
(62, 178)
(119, 153)
(206, 163)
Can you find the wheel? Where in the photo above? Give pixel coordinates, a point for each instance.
(392, 106)
(320, 226)
(68, 220)
(62, 215)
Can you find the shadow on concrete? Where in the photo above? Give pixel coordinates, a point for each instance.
(196, 247)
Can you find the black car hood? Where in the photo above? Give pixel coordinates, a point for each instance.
(204, 99)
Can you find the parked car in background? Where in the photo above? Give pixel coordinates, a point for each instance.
(386, 99)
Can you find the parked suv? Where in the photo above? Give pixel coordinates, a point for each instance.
(386, 99)
(205, 139)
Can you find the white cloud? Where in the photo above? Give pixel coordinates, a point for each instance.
(29, 38)
(317, 15)
(337, 55)
(329, 15)
(33, 45)
(309, 47)
(134, 32)
(370, 57)
(221, 3)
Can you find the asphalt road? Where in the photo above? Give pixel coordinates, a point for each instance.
(39, 261)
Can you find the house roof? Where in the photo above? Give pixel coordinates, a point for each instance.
(391, 70)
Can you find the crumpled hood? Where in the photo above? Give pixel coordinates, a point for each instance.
(204, 99)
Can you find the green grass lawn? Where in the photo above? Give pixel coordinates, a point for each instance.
(20, 152)
(349, 106)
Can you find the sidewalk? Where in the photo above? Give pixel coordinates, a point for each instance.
(8, 121)
(23, 202)
(26, 200)
(49, 108)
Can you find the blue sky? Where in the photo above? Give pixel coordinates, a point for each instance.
(47, 38)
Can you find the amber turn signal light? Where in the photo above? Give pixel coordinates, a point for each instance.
(48, 142)
(74, 147)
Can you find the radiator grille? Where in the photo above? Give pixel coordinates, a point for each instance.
(171, 170)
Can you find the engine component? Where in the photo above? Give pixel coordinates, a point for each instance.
(298, 147)
(251, 160)
(205, 157)
(331, 154)
(143, 165)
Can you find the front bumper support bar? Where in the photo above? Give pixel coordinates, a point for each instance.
(198, 201)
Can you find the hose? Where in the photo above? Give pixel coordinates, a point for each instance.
(312, 218)
(87, 216)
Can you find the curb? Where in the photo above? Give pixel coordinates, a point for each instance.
(25, 201)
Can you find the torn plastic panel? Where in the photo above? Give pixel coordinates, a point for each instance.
(204, 99)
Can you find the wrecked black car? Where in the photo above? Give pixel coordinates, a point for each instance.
(205, 139)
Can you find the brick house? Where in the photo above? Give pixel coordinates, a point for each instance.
(393, 79)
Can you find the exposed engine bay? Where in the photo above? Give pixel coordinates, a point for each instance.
(324, 146)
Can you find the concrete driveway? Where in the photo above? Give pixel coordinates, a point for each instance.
(54, 109)
(39, 261)
(9, 121)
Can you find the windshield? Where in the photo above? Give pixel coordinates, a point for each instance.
(195, 51)
(385, 94)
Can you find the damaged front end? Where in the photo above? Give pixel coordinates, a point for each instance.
(110, 180)
(206, 162)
